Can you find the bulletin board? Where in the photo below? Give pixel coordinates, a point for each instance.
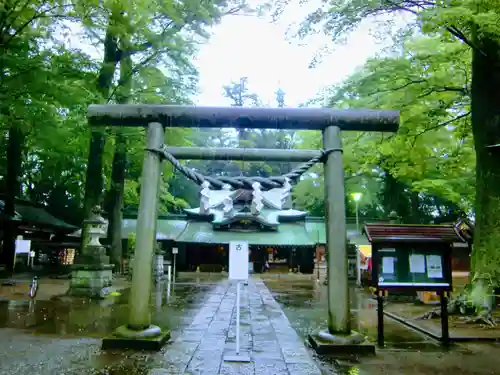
(406, 266)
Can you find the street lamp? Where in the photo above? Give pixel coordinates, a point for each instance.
(357, 197)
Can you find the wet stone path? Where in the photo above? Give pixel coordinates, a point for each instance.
(265, 334)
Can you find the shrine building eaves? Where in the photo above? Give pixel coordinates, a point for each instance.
(412, 233)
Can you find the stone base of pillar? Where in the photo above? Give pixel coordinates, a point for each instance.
(351, 283)
(89, 280)
(152, 338)
(323, 342)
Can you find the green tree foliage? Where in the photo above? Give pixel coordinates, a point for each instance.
(260, 138)
(147, 33)
(239, 93)
(43, 89)
(425, 170)
(474, 24)
(46, 89)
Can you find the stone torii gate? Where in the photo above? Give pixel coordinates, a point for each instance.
(331, 122)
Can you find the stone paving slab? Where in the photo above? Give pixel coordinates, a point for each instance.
(265, 334)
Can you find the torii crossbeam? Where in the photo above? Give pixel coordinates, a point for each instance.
(240, 117)
(329, 121)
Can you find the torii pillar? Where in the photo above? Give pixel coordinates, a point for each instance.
(139, 333)
(338, 337)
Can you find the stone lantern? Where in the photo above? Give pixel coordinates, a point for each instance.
(92, 271)
(97, 229)
(158, 270)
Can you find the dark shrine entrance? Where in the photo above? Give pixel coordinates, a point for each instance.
(215, 258)
(285, 259)
(208, 257)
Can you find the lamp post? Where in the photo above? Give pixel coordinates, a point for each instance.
(357, 197)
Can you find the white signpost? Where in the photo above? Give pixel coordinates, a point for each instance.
(238, 271)
(174, 252)
(169, 280)
(358, 267)
(22, 247)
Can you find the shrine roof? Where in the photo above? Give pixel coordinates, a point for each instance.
(306, 232)
(412, 233)
(168, 229)
(33, 214)
(287, 234)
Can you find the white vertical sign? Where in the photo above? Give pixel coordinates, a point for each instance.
(175, 250)
(23, 246)
(238, 260)
(238, 271)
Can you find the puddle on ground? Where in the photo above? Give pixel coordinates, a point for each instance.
(305, 304)
(79, 324)
(70, 316)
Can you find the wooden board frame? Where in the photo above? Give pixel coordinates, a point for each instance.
(429, 248)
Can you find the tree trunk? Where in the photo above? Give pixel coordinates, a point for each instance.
(15, 145)
(415, 208)
(394, 197)
(94, 181)
(115, 199)
(485, 106)
(118, 173)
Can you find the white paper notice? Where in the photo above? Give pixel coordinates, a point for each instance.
(417, 263)
(388, 265)
(434, 267)
(238, 260)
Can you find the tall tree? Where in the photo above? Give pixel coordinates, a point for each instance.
(116, 190)
(94, 182)
(474, 24)
(239, 93)
(162, 32)
(432, 90)
(32, 88)
(280, 98)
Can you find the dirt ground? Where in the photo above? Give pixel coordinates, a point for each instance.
(458, 324)
(470, 359)
(28, 347)
(48, 288)
(407, 352)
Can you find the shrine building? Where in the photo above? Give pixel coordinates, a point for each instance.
(288, 239)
